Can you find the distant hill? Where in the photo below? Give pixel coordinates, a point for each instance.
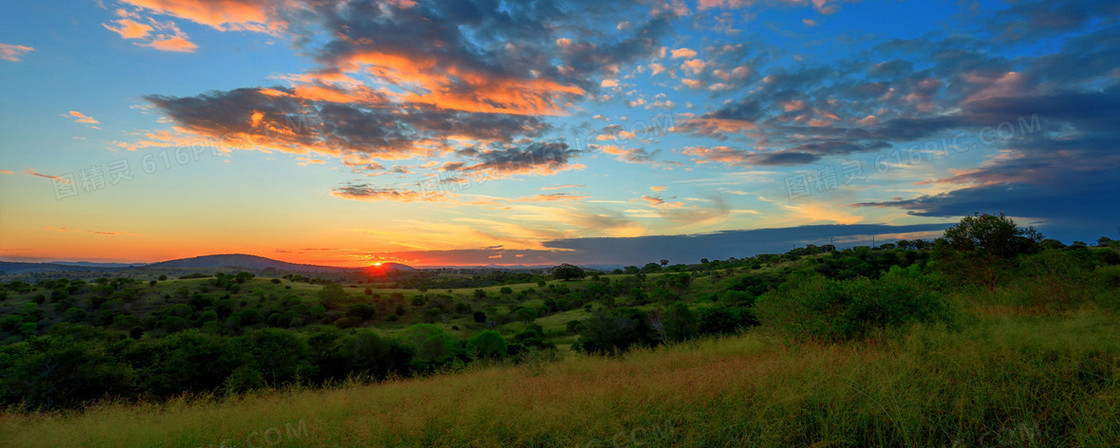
(13, 267)
(96, 265)
(245, 261)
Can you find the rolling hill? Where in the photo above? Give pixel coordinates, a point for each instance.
(220, 261)
(245, 261)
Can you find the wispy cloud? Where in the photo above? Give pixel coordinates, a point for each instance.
(31, 172)
(83, 119)
(13, 53)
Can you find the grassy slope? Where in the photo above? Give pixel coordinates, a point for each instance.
(1003, 380)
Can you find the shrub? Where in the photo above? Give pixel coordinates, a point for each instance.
(680, 323)
(817, 308)
(368, 353)
(362, 312)
(488, 344)
(724, 320)
(431, 345)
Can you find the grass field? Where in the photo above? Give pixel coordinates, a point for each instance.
(1003, 379)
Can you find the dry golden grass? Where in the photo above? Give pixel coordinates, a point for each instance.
(1002, 381)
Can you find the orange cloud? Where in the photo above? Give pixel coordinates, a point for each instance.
(82, 118)
(552, 197)
(172, 43)
(31, 172)
(719, 154)
(222, 15)
(657, 202)
(685, 53)
(129, 29)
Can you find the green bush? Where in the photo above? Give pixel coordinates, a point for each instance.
(431, 345)
(488, 344)
(817, 308)
(724, 319)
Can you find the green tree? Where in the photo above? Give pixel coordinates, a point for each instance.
(525, 314)
(984, 246)
(991, 235)
(568, 272)
(430, 345)
(279, 355)
(368, 353)
(680, 324)
(332, 295)
(488, 344)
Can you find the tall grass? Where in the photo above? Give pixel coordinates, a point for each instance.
(1003, 380)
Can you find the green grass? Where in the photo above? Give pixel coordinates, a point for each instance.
(1003, 379)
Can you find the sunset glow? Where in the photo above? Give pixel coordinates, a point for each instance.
(535, 133)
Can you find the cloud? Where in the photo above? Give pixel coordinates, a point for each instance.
(738, 157)
(720, 245)
(172, 43)
(1056, 170)
(634, 155)
(367, 126)
(552, 197)
(685, 53)
(822, 6)
(366, 192)
(534, 158)
(653, 200)
(558, 187)
(1029, 21)
(224, 15)
(93, 232)
(476, 57)
(152, 33)
(13, 53)
(31, 172)
(129, 29)
(83, 119)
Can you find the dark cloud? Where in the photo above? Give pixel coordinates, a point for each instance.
(536, 157)
(1072, 209)
(1032, 20)
(280, 119)
(721, 245)
(518, 55)
(1060, 165)
(618, 251)
(366, 192)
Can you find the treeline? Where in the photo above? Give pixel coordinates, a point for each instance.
(431, 281)
(96, 344)
(77, 363)
(862, 292)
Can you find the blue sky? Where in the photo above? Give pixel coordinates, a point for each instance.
(488, 132)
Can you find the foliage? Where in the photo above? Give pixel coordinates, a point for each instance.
(432, 347)
(488, 344)
(821, 309)
(568, 272)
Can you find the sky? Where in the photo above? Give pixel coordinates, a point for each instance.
(479, 132)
